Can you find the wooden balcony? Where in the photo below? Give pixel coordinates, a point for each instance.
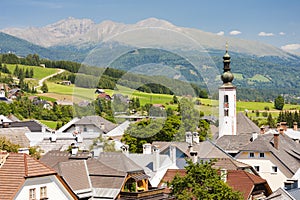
(150, 194)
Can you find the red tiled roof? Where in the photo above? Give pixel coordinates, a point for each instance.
(169, 176)
(16, 169)
(236, 177)
(234, 180)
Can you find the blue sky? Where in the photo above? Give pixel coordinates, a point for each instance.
(276, 22)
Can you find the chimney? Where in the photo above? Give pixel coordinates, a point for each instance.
(295, 126)
(98, 149)
(223, 174)
(278, 127)
(172, 153)
(43, 129)
(284, 125)
(189, 137)
(147, 148)
(195, 137)
(79, 138)
(262, 130)
(102, 126)
(125, 149)
(53, 137)
(254, 136)
(156, 160)
(281, 131)
(74, 149)
(276, 140)
(194, 156)
(5, 124)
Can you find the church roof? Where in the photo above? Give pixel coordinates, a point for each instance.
(245, 129)
(245, 125)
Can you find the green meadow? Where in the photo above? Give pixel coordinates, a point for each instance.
(38, 72)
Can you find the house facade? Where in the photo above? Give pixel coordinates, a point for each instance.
(23, 177)
(274, 156)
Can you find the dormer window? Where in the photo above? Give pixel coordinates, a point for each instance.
(261, 155)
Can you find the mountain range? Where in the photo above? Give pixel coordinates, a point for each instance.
(257, 66)
(83, 33)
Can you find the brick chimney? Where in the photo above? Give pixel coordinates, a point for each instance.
(284, 125)
(278, 127)
(295, 126)
(276, 140)
(262, 130)
(281, 131)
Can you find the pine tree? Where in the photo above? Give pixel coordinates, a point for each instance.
(44, 88)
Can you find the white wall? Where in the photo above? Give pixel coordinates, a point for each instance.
(55, 189)
(275, 180)
(227, 124)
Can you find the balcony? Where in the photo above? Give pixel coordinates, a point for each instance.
(154, 193)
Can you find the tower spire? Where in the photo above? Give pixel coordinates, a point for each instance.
(227, 100)
(227, 77)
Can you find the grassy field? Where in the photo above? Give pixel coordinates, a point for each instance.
(208, 106)
(50, 124)
(38, 72)
(260, 78)
(238, 76)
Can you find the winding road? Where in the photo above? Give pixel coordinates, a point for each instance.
(47, 77)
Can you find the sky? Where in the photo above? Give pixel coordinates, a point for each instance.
(275, 22)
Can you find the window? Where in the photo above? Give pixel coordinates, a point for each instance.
(85, 129)
(256, 168)
(274, 169)
(261, 155)
(43, 192)
(32, 195)
(226, 112)
(226, 105)
(226, 99)
(251, 155)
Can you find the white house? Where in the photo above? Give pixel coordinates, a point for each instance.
(23, 177)
(274, 156)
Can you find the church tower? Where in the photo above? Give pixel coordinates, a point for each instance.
(227, 100)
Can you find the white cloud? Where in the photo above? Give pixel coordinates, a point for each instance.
(235, 32)
(291, 47)
(221, 33)
(282, 33)
(264, 34)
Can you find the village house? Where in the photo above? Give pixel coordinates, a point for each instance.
(104, 175)
(23, 177)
